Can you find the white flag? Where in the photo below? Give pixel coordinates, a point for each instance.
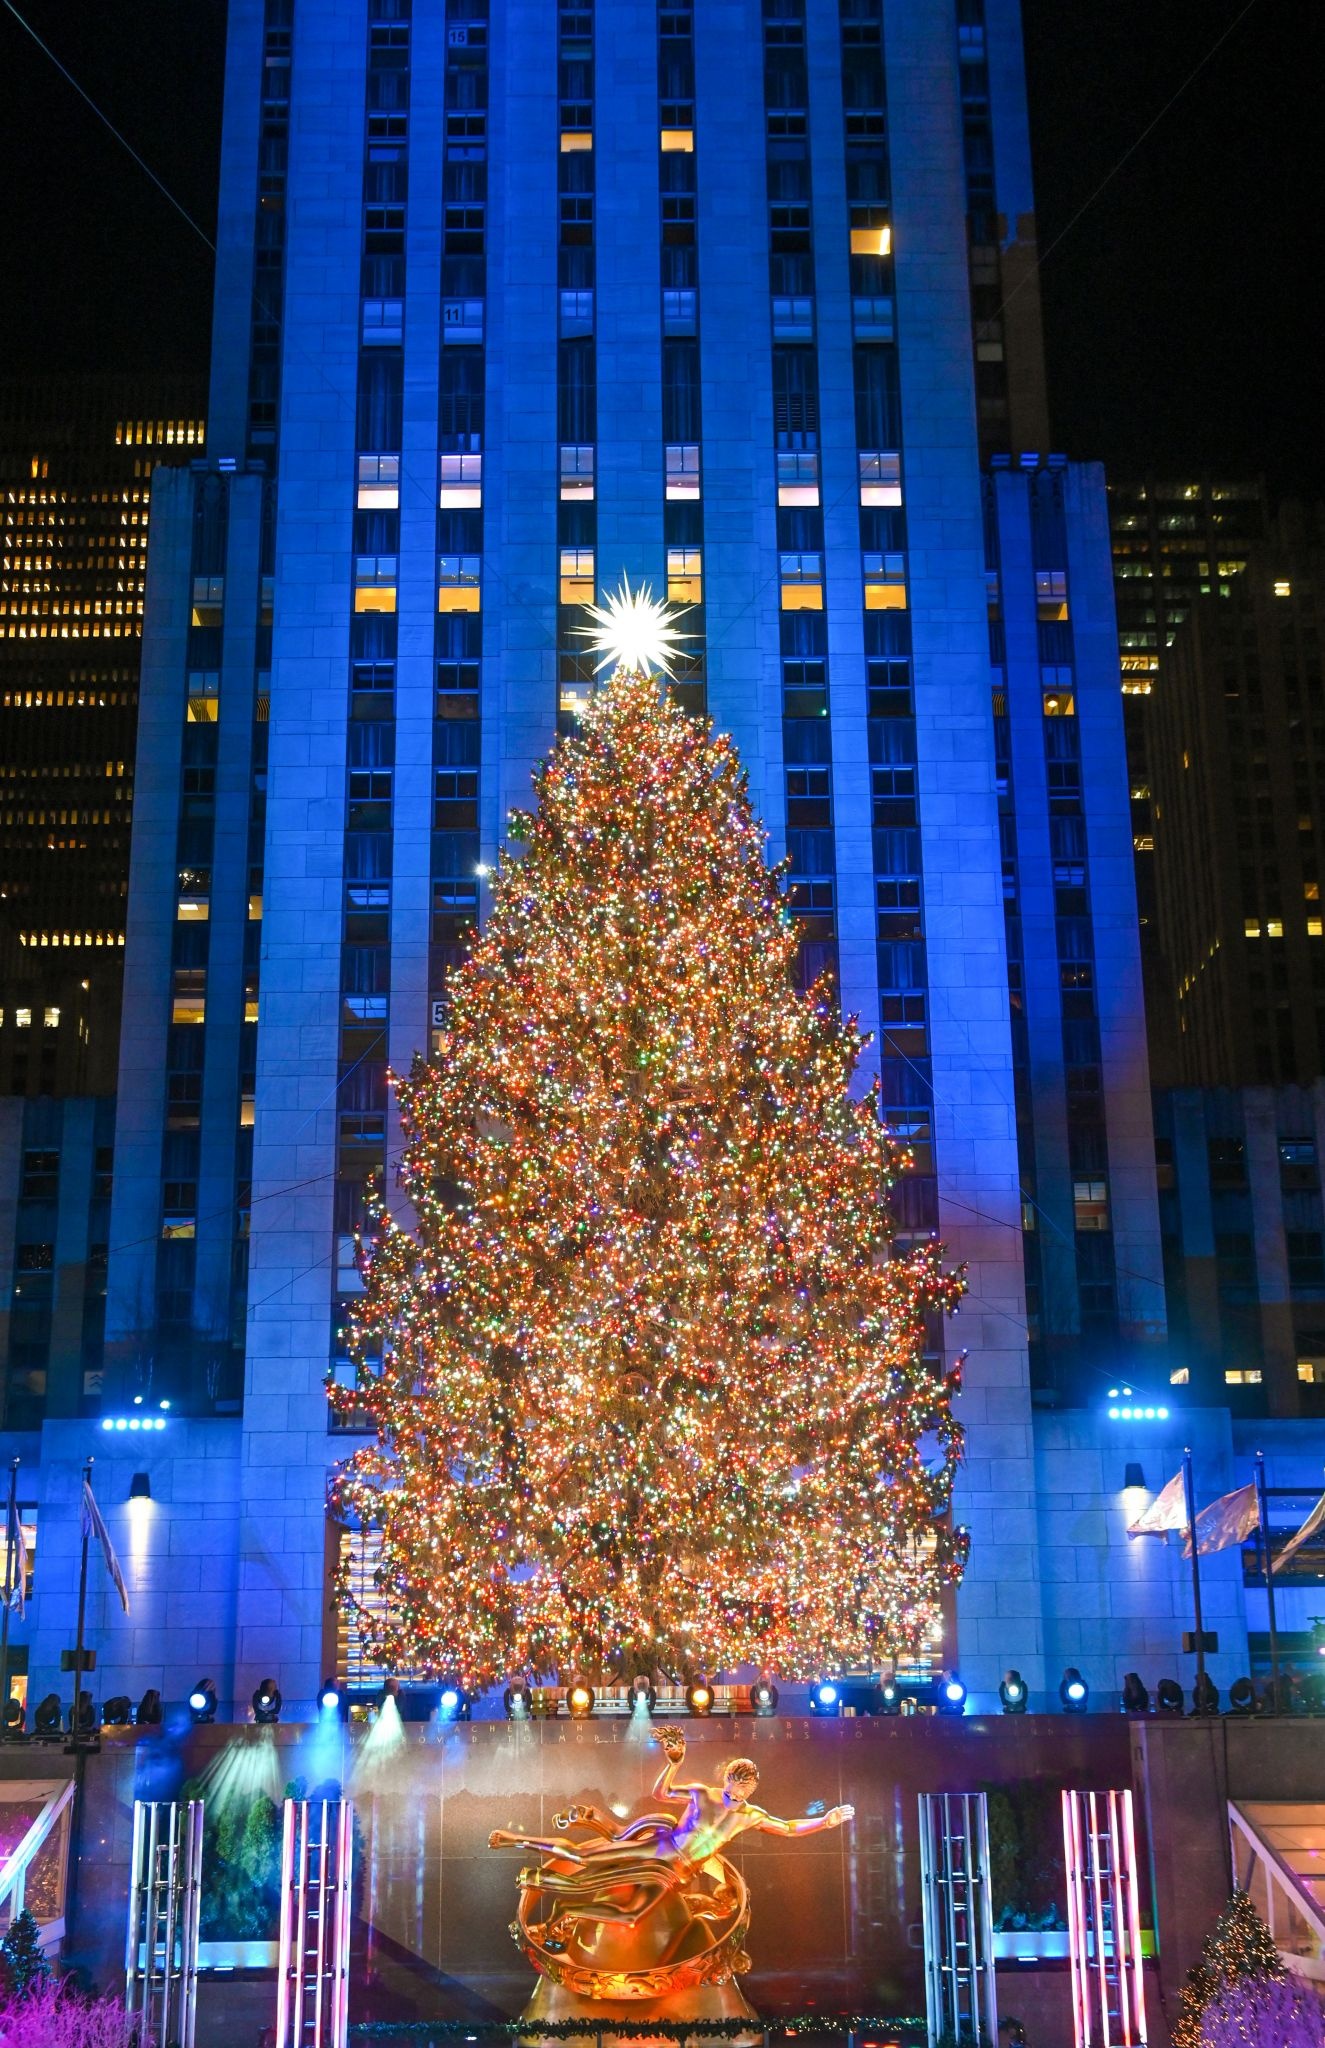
(1230, 1519)
(94, 1526)
(1168, 1510)
(1304, 1535)
(16, 1563)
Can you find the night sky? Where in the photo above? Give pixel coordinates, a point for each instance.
(1176, 308)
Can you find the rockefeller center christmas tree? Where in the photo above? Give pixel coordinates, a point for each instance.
(646, 1371)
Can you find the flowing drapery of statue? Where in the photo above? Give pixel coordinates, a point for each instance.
(652, 1387)
(647, 1915)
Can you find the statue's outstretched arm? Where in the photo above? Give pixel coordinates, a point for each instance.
(807, 1824)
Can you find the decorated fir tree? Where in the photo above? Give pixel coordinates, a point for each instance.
(24, 1966)
(1240, 1952)
(646, 1373)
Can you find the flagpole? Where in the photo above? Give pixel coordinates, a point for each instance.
(1267, 1562)
(74, 1730)
(1189, 1491)
(10, 1518)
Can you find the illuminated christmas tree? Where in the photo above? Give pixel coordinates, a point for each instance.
(647, 1374)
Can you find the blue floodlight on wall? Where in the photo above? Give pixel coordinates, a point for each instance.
(1012, 1693)
(951, 1694)
(825, 1698)
(1073, 1691)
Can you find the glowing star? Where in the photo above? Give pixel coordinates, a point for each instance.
(632, 631)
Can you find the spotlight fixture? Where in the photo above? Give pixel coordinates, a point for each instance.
(267, 1703)
(202, 1702)
(149, 1709)
(764, 1697)
(453, 1702)
(1073, 1692)
(1242, 1697)
(518, 1700)
(643, 1694)
(890, 1698)
(1169, 1697)
(85, 1716)
(390, 1691)
(1280, 1694)
(1012, 1693)
(1205, 1695)
(140, 1487)
(1136, 1694)
(579, 1700)
(1133, 1476)
(14, 1716)
(826, 1698)
(118, 1712)
(699, 1699)
(951, 1694)
(328, 1699)
(49, 1718)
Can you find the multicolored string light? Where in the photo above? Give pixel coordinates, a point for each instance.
(648, 1380)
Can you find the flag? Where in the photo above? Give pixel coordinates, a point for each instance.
(94, 1526)
(1230, 1519)
(1168, 1510)
(1313, 1522)
(16, 1563)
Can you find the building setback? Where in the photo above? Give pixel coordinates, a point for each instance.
(512, 302)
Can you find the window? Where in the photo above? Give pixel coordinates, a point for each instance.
(1311, 1371)
(41, 1176)
(872, 319)
(379, 483)
(22, 1018)
(383, 322)
(455, 807)
(1059, 704)
(577, 574)
(576, 314)
(1090, 1204)
(885, 583)
(188, 996)
(679, 312)
(673, 139)
(375, 583)
(577, 470)
(872, 241)
(1051, 594)
(809, 805)
(1180, 1376)
(36, 1258)
(50, 1017)
(685, 576)
(793, 319)
(460, 482)
(802, 582)
(681, 469)
(462, 321)
(458, 583)
(798, 478)
(208, 598)
(1243, 1376)
(880, 478)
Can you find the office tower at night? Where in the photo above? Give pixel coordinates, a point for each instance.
(512, 303)
(1239, 752)
(76, 458)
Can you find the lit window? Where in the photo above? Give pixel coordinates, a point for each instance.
(872, 241)
(23, 1019)
(1311, 1371)
(577, 574)
(461, 482)
(375, 583)
(254, 908)
(577, 470)
(1242, 1376)
(246, 1112)
(798, 478)
(458, 583)
(885, 583)
(1059, 704)
(681, 469)
(250, 1009)
(1283, 589)
(1315, 929)
(1180, 1376)
(1090, 1203)
(880, 478)
(193, 907)
(802, 578)
(1051, 593)
(576, 138)
(1251, 927)
(685, 576)
(379, 483)
(1274, 928)
(682, 139)
(50, 1017)
(204, 693)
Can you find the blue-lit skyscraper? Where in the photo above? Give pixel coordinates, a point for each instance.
(513, 300)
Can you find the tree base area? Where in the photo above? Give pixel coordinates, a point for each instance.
(555, 2004)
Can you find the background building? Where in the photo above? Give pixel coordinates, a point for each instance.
(1239, 729)
(76, 458)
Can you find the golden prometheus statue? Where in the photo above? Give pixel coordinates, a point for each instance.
(646, 1918)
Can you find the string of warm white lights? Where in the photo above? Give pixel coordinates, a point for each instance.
(648, 1383)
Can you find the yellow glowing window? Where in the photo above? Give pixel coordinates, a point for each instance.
(1059, 704)
(178, 1226)
(798, 478)
(1180, 1376)
(685, 576)
(1311, 1371)
(379, 483)
(50, 1017)
(208, 598)
(246, 1112)
(375, 583)
(1051, 594)
(1283, 589)
(250, 1009)
(458, 583)
(1251, 928)
(577, 573)
(885, 583)
(1314, 928)
(254, 908)
(23, 1019)
(461, 481)
(189, 1008)
(872, 241)
(193, 909)
(802, 582)
(573, 699)
(576, 138)
(880, 477)
(681, 469)
(577, 470)
(1274, 928)
(682, 139)
(1242, 1376)
(204, 703)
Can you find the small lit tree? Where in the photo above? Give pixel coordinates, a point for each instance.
(652, 1391)
(1240, 1952)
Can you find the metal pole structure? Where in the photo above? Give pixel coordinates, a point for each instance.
(11, 1520)
(1267, 1565)
(74, 1729)
(1189, 1491)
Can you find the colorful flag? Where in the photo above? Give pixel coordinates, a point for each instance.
(1168, 1510)
(1230, 1519)
(1304, 1535)
(16, 1562)
(94, 1526)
